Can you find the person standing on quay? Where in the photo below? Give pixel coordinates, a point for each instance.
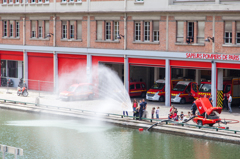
(229, 103)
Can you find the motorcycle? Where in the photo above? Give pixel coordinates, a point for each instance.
(22, 89)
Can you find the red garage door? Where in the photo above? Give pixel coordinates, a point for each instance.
(40, 71)
(11, 55)
(191, 64)
(71, 69)
(147, 62)
(228, 65)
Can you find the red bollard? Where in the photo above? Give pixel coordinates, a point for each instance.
(140, 129)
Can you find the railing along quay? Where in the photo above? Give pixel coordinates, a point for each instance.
(122, 116)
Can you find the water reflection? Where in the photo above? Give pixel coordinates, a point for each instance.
(45, 136)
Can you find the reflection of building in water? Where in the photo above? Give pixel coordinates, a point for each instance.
(201, 149)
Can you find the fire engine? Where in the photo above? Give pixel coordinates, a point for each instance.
(157, 91)
(184, 91)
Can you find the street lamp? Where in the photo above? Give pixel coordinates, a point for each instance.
(208, 39)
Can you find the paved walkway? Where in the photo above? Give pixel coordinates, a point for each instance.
(109, 106)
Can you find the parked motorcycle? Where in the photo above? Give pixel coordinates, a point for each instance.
(10, 83)
(22, 88)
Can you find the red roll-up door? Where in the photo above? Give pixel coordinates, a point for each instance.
(228, 65)
(11, 55)
(191, 64)
(97, 59)
(147, 62)
(40, 71)
(71, 69)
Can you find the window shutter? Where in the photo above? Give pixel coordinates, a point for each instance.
(79, 29)
(238, 26)
(39, 23)
(228, 26)
(46, 28)
(71, 22)
(180, 33)
(201, 28)
(99, 30)
(155, 25)
(34, 25)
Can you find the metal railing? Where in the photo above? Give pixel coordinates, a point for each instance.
(11, 150)
(38, 85)
(122, 116)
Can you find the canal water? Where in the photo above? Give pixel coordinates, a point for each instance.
(51, 137)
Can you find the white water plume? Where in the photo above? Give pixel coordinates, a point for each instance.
(110, 93)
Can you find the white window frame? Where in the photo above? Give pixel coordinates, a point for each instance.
(72, 32)
(33, 1)
(116, 30)
(11, 30)
(156, 35)
(79, 0)
(190, 30)
(71, 1)
(17, 1)
(64, 31)
(40, 31)
(17, 29)
(39, 1)
(46, 1)
(33, 34)
(146, 31)
(238, 32)
(108, 31)
(4, 1)
(10, 2)
(5, 29)
(228, 38)
(64, 1)
(137, 31)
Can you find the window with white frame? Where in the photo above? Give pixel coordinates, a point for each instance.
(11, 29)
(46, 28)
(180, 33)
(228, 32)
(33, 33)
(71, 0)
(16, 1)
(72, 30)
(79, 29)
(155, 30)
(40, 29)
(5, 28)
(238, 32)
(116, 30)
(64, 29)
(33, 1)
(46, 1)
(201, 32)
(190, 31)
(39, 1)
(79, 0)
(10, 1)
(108, 30)
(26, 1)
(4, 1)
(146, 31)
(17, 29)
(64, 1)
(137, 31)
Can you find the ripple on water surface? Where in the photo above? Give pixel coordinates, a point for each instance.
(50, 137)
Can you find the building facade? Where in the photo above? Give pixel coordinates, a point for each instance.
(41, 40)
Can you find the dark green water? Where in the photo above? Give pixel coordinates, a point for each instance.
(51, 137)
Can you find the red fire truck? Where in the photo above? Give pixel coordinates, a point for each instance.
(184, 91)
(157, 91)
(229, 87)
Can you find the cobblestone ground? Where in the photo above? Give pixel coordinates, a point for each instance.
(108, 106)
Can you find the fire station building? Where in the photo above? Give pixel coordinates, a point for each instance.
(41, 40)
